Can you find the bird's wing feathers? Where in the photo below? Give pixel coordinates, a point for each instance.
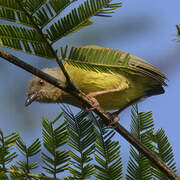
(108, 60)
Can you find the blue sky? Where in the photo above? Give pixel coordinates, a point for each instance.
(143, 28)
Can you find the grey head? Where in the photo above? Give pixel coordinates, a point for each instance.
(42, 91)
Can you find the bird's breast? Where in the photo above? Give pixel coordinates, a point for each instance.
(90, 81)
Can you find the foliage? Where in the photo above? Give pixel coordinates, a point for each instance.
(42, 24)
(7, 142)
(139, 167)
(53, 138)
(178, 32)
(28, 152)
(141, 125)
(98, 59)
(164, 150)
(107, 153)
(82, 147)
(81, 139)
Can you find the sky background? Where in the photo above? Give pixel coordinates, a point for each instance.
(143, 28)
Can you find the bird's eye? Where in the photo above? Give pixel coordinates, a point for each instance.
(41, 82)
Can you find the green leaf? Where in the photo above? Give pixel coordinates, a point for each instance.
(50, 10)
(34, 148)
(28, 152)
(53, 138)
(3, 176)
(107, 154)
(14, 175)
(24, 39)
(81, 139)
(99, 59)
(78, 18)
(11, 11)
(58, 117)
(10, 4)
(109, 9)
(35, 14)
(139, 167)
(178, 32)
(33, 5)
(164, 151)
(16, 17)
(178, 29)
(125, 62)
(6, 143)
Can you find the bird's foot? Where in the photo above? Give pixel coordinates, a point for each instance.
(113, 119)
(94, 101)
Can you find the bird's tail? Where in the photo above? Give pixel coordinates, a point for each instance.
(155, 90)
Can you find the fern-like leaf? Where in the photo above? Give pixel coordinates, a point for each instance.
(81, 139)
(78, 18)
(107, 154)
(164, 151)
(55, 160)
(15, 175)
(50, 10)
(27, 40)
(10, 4)
(99, 59)
(3, 176)
(16, 17)
(35, 14)
(178, 32)
(11, 11)
(96, 59)
(33, 5)
(28, 152)
(139, 167)
(109, 9)
(6, 143)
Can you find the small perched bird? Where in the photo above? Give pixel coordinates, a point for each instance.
(130, 82)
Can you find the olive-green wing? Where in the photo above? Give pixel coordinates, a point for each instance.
(100, 59)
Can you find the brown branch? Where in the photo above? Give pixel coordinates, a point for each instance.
(68, 79)
(20, 173)
(87, 102)
(70, 88)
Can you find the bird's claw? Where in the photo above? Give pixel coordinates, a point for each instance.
(113, 116)
(113, 119)
(94, 105)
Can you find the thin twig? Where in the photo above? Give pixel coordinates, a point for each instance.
(68, 79)
(99, 111)
(36, 176)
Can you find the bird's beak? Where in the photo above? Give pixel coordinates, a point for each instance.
(31, 98)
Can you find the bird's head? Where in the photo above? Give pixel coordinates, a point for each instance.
(42, 91)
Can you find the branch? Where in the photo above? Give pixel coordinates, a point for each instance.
(36, 176)
(99, 111)
(68, 79)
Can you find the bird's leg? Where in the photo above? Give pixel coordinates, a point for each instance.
(114, 118)
(94, 94)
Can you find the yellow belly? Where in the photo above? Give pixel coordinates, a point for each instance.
(90, 81)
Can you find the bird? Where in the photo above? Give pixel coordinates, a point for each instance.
(132, 81)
